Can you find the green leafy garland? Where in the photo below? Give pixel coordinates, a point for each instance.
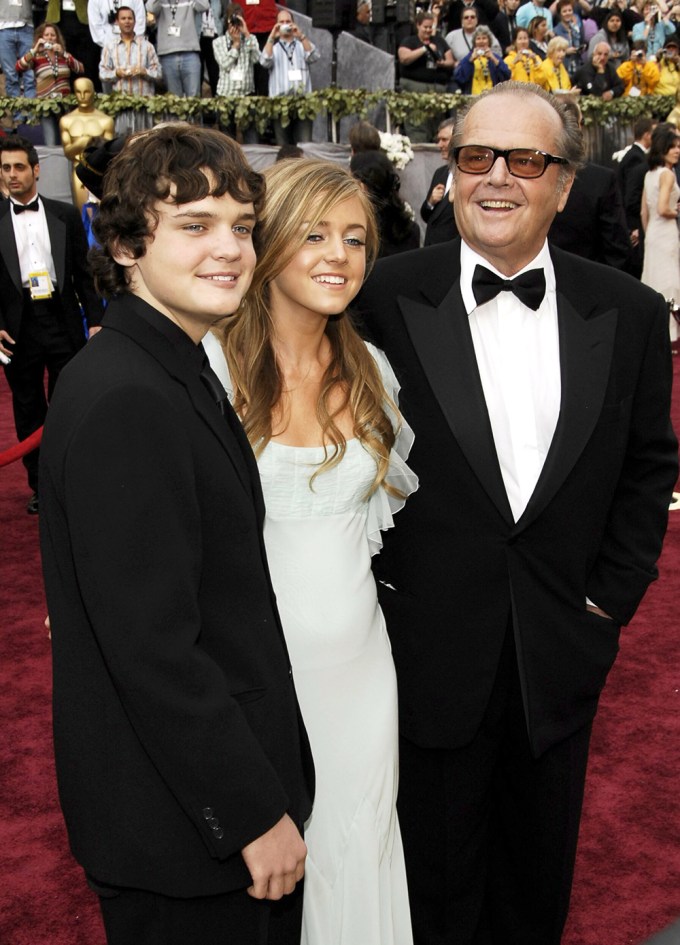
(338, 103)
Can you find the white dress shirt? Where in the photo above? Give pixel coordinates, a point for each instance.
(34, 247)
(518, 356)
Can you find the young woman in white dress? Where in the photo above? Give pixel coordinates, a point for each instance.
(319, 408)
(659, 214)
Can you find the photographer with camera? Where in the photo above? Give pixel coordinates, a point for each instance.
(236, 54)
(669, 69)
(287, 55)
(641, 77)
(52, 67)
(425, 65)
(655, 28)
(481, 69)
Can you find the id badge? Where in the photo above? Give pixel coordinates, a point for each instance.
(295, 75)
(634, 91)
(15, 3)
(237, 75)
(252, 3)
(40, 284)
(68, 5)
(174, 31)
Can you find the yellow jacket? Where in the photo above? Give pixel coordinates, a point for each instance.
(642, 76)
(551, 77)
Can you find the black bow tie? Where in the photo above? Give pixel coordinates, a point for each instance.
(20, 207)
(529, 287)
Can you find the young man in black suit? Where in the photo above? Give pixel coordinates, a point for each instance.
(183, 766)
(546, 459)
(44, 281)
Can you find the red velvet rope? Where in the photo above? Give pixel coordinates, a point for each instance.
(20, 449)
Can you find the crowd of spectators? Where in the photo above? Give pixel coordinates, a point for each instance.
(608, 49)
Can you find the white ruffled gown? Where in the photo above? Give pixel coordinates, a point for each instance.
(319, 543)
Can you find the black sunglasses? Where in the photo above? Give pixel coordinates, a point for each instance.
(521, 162)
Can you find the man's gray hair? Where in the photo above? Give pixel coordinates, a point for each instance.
(570, 142)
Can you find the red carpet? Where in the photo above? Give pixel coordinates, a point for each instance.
(628, 871)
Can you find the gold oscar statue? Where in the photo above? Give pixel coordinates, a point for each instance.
(79, 127)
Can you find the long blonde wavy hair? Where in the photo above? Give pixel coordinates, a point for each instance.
(300, 193)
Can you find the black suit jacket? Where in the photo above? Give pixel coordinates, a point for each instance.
(177, 731)
(69, 253)
(593, 222)
(456, 568)
(441, 224)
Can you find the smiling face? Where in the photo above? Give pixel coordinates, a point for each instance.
(326, 273)
(505, 218)
(198, 262)
(557, 55)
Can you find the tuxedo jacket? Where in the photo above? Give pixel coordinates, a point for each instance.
(441, 225)
(593, 222)
(632, 170)
(177, 732)
(69, 253)
(457, 571)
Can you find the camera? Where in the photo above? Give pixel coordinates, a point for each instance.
(235, 20)
(286, 28)
(48, 45)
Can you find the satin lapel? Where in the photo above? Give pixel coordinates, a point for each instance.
(442, 340)
(586, 347)
(8, 247)
(57, 231)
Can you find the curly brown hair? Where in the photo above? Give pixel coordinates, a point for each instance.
(176, 161)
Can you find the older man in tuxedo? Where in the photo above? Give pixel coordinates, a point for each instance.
(538, 387)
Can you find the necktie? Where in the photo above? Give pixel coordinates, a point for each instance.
(214, 385)
(20, 207)
(529, 287)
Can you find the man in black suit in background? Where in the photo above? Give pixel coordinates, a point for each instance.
(593, 223)
(183, 766)
(631, 173)
(437, 210)
(538, 387)
(44, 281)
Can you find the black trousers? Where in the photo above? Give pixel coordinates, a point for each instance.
(43, 344)
(490, 831)
(138, 917)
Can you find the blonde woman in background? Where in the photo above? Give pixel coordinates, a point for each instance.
(319, 408)
(553, 76)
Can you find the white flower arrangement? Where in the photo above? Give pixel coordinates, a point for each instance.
(397, 148)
